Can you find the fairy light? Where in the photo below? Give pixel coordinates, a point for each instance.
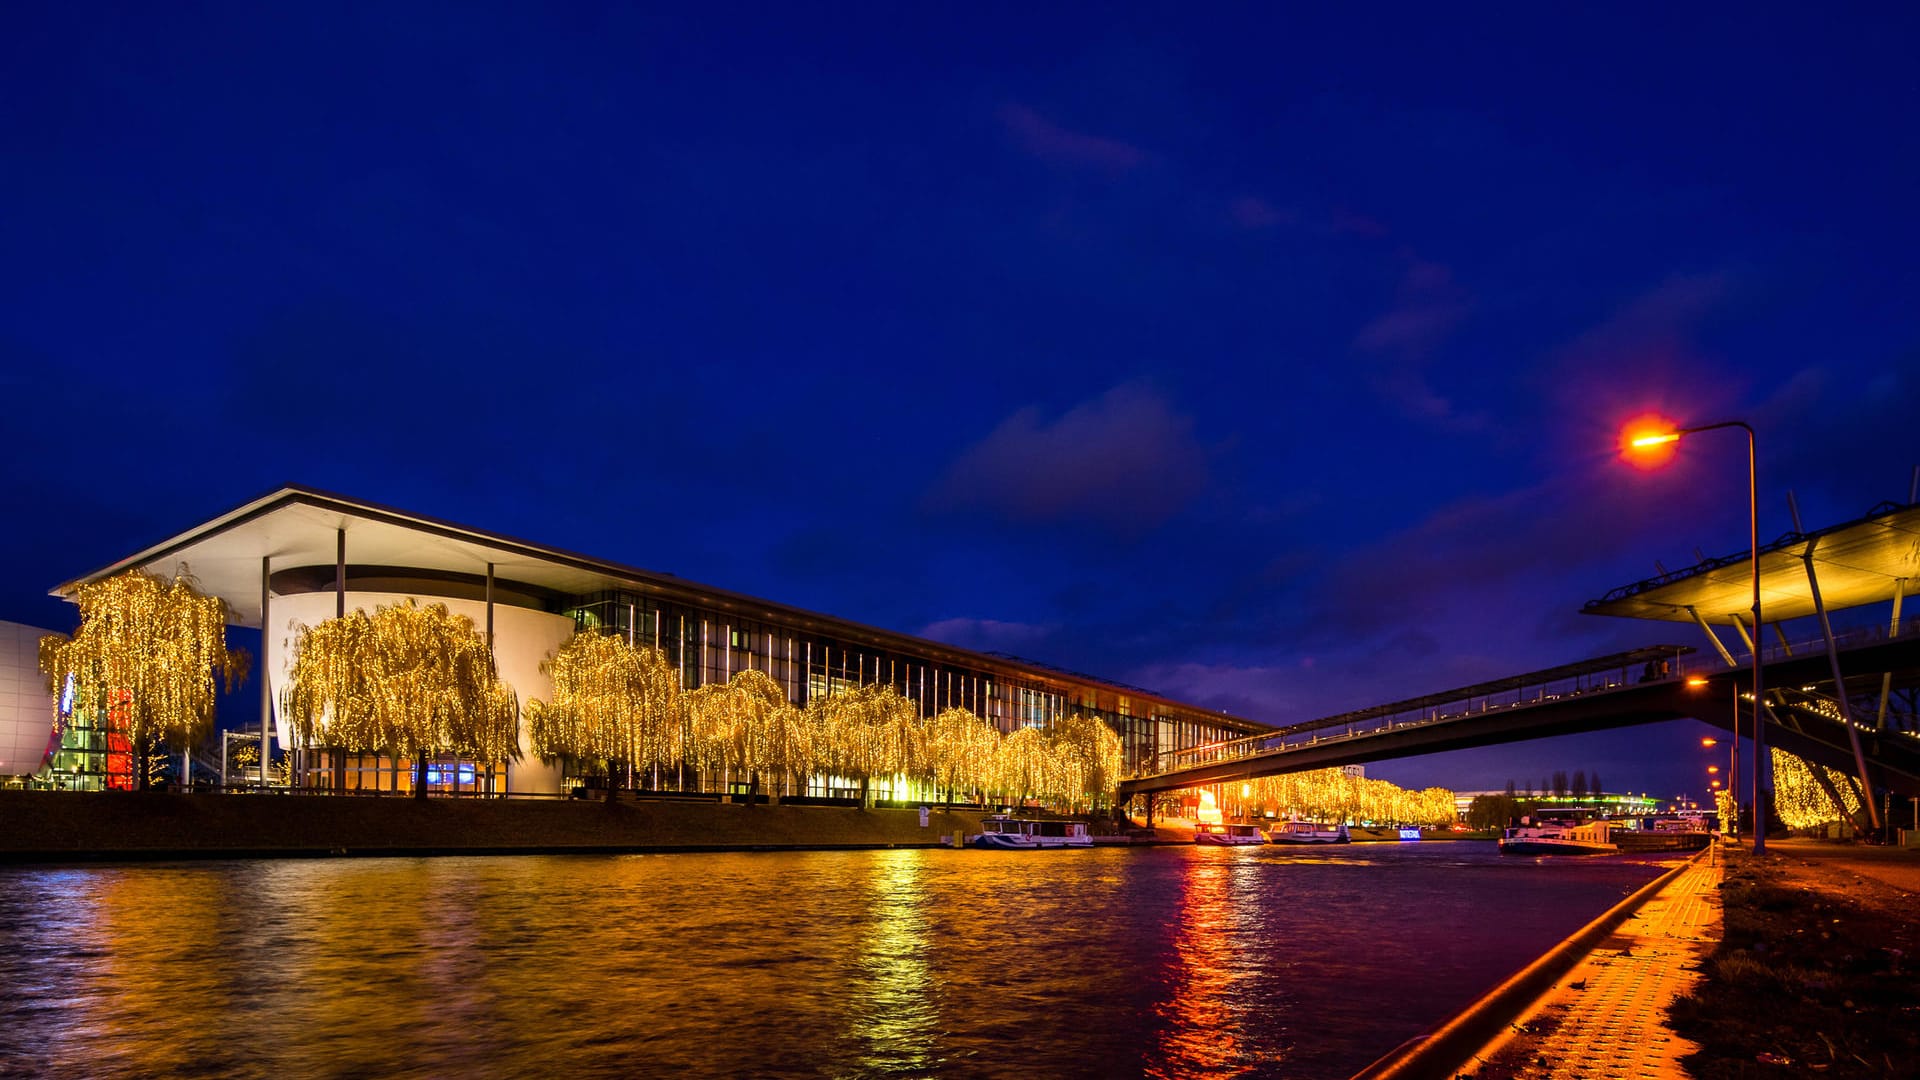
(145, 657)
(407, 680)
(1332, 795)
(611, 702)
(1799, 797)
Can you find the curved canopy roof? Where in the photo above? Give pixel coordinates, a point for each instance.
(1857, 563)
(301, 527)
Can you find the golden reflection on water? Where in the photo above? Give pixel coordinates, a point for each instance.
(1221, 922)
(1168, 963)
(897, 1010)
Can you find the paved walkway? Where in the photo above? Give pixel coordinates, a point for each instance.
(1894, 866)
(1606, 1017)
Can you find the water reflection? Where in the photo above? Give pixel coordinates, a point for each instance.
(1172, 962)
(1212, 1024)
(896, 1006)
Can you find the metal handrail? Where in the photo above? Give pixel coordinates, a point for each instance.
(1545, 693)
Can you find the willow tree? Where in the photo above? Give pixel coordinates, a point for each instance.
(407, 680)
(1088, 759)
(1331, 795)
(790, 741)
(1022, 767)
(611, 702)
(145, 657)
(960, 749)
(867, 732)
(749, 723)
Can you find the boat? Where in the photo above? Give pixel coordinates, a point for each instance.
(1210, 832)
(1559, 838)
(1003, 833)
(1308, 832)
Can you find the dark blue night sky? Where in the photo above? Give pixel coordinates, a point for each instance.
(1269, 358)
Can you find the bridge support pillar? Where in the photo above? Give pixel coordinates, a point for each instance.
(1840, 685)
(1893, 631)
(1718, 645)
(1746, 638)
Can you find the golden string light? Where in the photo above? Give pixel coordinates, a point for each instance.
(408, 680)
(1332, 795)
(1801, 797)
(145, 658)
(961, 748)
(612, 702)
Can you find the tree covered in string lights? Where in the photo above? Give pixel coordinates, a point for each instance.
(1804, 792)
(1089, 760)
(867, 733)
(150, 656)
(1332, 795)
(960, 751)
(612, 703)
(407, 680)
(746, 726)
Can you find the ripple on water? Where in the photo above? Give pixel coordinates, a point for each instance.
(1167, 962)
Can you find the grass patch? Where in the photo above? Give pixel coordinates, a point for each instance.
(1814, 977)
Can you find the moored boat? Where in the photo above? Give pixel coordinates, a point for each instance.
(1308, 832)
(1004, 833)
(1555, 838)
(1209, 832)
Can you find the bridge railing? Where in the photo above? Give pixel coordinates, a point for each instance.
(1526, 694)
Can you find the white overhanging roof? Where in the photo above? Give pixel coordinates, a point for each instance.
(1857, 563)
(299, 527)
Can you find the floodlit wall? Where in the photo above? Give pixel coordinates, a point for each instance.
(26, 709)
(522, 640)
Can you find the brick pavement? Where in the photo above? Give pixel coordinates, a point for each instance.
(1606, 1018)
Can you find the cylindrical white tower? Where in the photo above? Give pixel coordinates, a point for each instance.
(26, 709)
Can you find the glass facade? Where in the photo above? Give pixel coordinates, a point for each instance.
(93, 754)
(709, 645)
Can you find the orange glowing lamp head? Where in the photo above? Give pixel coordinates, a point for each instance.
(1696, 682)
(1709, 741)
(1648, 441)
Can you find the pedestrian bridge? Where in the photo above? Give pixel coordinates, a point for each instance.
(1643, 686)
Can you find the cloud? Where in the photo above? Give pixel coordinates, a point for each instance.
(1347, 221)
(1048, 141)
(1653, 329)
(987, 635)
(1252, 213)
(1428, 304)
(1125, 460)
(1255, 692)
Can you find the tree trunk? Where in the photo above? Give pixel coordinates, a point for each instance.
(420, 774)
(753, 786)
(612, 780)
(865, 790)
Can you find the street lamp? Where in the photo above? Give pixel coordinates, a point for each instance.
(1652, 440)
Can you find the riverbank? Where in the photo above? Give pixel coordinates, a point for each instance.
(1816, 972)
(60, 826)
(1800, 963)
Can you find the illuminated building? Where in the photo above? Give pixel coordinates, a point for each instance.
(297, 556)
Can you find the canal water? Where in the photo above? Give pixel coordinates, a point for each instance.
(1169, 962)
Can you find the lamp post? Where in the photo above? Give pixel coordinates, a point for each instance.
(1733, 770)
(1653, 439)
